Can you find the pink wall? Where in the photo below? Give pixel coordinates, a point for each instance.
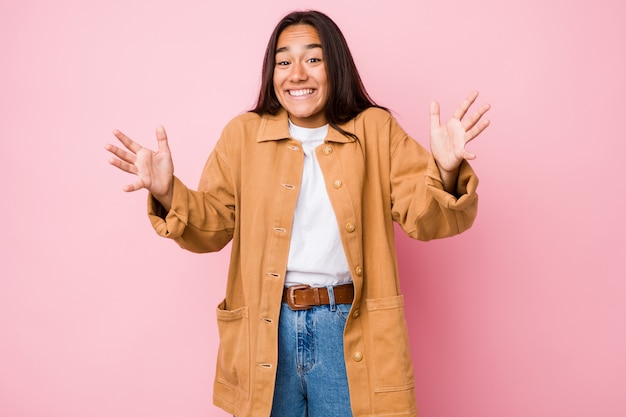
(521, 316)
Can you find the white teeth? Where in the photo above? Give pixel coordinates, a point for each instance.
(300, 93)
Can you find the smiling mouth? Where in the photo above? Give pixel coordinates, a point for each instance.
(300, 93)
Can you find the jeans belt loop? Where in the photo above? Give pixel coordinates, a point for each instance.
(331, 297)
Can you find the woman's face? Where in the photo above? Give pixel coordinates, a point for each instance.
(300, 79)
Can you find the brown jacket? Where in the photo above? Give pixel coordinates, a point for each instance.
(248, 193)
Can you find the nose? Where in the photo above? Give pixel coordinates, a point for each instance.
(298, 72)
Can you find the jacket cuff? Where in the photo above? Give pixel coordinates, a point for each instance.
(466, 185)
(170, 224)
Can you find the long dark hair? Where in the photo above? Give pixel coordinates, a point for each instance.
(347, 96)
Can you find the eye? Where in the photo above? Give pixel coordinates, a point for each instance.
(282, 63)
(314, 60)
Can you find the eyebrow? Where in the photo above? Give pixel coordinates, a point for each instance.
(309, 46)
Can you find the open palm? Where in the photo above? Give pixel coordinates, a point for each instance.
(154, 169)
(447, 142)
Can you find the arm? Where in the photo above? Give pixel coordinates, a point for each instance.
(420, 204)
(434, 194)
(197, 221)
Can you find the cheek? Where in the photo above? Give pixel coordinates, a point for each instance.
(323, 81)
(276, 81)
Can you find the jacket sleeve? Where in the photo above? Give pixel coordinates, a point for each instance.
(420, 205)
(203, 220)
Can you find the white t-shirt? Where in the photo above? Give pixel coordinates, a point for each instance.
(316, 255)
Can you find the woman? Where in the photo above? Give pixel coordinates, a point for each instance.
(307, 186)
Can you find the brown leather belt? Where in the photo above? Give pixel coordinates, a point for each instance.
(303, 297)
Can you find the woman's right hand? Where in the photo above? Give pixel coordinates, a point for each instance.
(154, 170)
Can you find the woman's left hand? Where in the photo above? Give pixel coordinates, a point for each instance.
(447, 142)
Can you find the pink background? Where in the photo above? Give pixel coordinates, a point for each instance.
(524, 315)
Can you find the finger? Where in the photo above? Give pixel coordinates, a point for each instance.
(476, 130)
(123, 165)
(130, 144)
(435, 121)
(162, 140)
(468, 156)
(121, 153)
(465, 105)
(137, 185)
(469, 123)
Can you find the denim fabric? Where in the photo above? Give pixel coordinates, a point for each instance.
(311, 377)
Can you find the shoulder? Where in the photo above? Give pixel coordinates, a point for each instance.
(241, 128)
(374, 115)
(375, 119)
(236, 133)
(378, 122)
(245, 131)
(243, 121)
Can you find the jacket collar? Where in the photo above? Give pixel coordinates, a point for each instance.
(276, 127)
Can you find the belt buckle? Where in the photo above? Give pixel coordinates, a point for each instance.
(291, 297)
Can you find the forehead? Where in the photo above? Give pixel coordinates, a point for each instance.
(297, 36)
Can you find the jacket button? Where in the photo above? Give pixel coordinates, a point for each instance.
(328, 150)
(358, 270)
(350, 227)
(357, 356)
(356, 314)
(337, 184)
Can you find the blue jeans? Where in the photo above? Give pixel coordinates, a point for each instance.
(311, 377)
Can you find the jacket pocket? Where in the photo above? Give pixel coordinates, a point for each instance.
(389, 344)
(233, 357)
